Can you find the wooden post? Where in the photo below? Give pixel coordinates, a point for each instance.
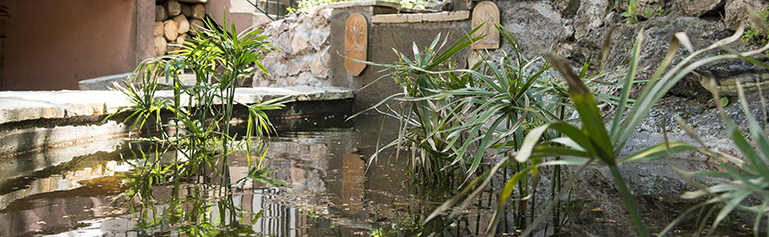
(196, 24)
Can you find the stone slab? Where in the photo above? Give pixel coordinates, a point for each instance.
(107, 82)
(364, 4)
(102, 83)
(18, 106)
(421, 17)
(389, 18)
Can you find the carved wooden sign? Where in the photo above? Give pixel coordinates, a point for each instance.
(355, 43)
(486, 13)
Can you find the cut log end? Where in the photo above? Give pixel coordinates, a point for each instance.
(170, 30)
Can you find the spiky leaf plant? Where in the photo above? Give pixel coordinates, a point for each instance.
(593, 142)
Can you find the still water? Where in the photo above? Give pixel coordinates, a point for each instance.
(330, 190)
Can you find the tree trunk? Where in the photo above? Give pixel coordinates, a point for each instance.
(186, 10)
(180, 40)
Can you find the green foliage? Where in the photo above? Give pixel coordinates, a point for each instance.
(748, 175)
(596, 143)
(634, 13)
(753, 33)
(195, 129)
(434, 159)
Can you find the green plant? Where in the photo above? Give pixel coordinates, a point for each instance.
(195, 127)
(432, 159)
(459, 117)
(594, 142)
(748, 175)
(653, 12)
(754, 32)
(633, 12)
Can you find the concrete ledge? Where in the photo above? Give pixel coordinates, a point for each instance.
(17, 106)
(102, 83)
(106, 82)
(31, 120)
(422, 17)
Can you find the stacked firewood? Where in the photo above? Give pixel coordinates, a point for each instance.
(173, 23)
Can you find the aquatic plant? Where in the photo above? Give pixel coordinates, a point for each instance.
(432, 158)
(596, 143)
(193, 122)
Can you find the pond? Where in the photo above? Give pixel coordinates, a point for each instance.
(330, 190)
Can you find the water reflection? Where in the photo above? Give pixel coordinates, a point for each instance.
(330, 190)
(352, 184)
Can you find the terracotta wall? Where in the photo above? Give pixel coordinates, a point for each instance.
(53, 44)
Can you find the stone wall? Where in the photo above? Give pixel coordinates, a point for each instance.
(309, 43)
(301, 56)
(309, 46)
(576, 29)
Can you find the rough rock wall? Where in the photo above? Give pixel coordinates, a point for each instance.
(301, 56)
(577, 29)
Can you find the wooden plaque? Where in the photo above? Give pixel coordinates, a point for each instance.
(355, 43)
(486, 12)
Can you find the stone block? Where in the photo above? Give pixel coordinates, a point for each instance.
(279, 71)
(366, 3)
(736, 13)
(697, 8)
(304, 64)
(293, 67)
(300, 43)
(319, 38)
(318, 68)
(303, 79)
